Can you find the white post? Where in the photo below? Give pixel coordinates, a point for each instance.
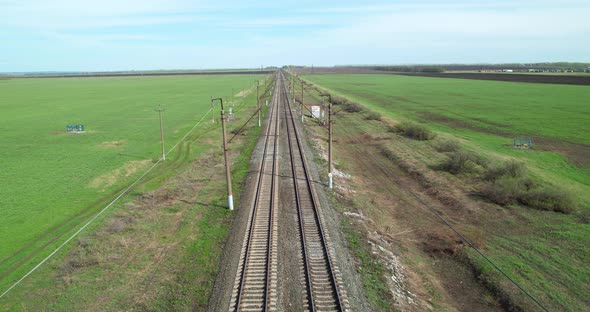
(230, 201)
(330, 180)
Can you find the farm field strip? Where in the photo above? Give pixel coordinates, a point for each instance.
(486, 115)
(125, 192)
(527, 243)
(177, 126)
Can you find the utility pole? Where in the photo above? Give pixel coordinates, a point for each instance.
(230, 198)
(258, 101)
(160, 110)
(293, 89)
(302, 101)
(212, 111)
(323, 112)
(330, 184)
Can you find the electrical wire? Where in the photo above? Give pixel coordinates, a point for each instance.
(466, 241)
(103, 210)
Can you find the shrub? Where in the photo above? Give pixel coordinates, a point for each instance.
(447, 146)
(548, 198)
(511, 168)
(373, 116)
(459, 162)
(414, 131)
(336, 100)
(389, 154)
(432, 69)
(508, 190)
(352, 107)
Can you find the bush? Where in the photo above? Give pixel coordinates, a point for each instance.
(352, 107)
(508, 190)
(414, 131)
(373, 116)
(432, 69)
(447, 146)
(459, 162)
(336, 100)
(547, 198)
(512, 168)
(389, 154)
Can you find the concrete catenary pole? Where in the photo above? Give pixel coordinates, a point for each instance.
(160, 110)
(330, 184)
(302, 101)
(258, 102)
(330, 142)
(230, 198)
(293, 88)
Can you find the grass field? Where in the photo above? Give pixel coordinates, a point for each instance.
(488, 114)
(546, 252)
(51, 181)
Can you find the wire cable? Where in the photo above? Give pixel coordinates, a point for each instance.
(466, 241)
(244, 125)
(103, 210)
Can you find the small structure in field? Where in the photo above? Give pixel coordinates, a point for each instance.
(522, 142)
(75, 129)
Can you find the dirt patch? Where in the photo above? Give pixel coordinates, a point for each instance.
(398, 279)
(244, 93)
(578, 154)
(106, 180)
(548, 79)
(113, 144)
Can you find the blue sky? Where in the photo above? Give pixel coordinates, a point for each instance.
(43, 35)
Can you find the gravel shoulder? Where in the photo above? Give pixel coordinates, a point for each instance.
(332, 222)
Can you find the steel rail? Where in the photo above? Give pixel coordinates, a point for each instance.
(274, 111)
(315, 206)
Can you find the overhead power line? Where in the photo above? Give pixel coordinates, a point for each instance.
(103, 210)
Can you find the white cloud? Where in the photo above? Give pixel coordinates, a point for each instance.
(222, 34)
(64, 14)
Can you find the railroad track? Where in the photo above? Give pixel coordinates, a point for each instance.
(255, 287)
(321, 275)
(256, 280)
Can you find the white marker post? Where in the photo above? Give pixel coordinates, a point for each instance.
(160, 110)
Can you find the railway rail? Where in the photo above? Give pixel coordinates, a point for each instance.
(255, 286)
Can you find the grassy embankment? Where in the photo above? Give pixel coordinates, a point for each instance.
(483, 116)
(58, 180)
(486, 115)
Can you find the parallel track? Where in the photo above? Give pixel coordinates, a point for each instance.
(323, 293)
(255, 287)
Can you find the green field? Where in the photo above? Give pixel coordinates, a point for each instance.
(52, 181)
(546, 252)
(487, 114)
